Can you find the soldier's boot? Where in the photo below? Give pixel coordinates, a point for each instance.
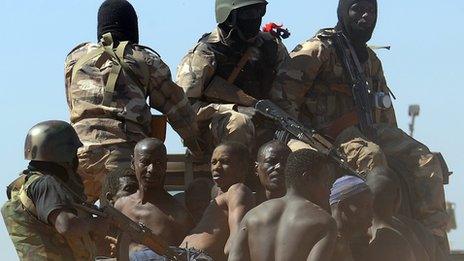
(426, 177)
(96, 163)
(233, 126)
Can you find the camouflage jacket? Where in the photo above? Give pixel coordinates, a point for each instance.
(212, 57)
(312, 84)
(33, 239)
(128, 118)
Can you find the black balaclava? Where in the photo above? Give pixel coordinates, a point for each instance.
(243, 25)
(358, 38)
(119, 18)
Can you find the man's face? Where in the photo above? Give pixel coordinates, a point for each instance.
(226, 168)
(127, 186)
(249, 20)
(270, 169)
(358, 211)
(362, 16)
(150, 167)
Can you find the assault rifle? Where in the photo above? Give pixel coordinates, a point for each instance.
(130, 232)
(362, 94)
(309, 136)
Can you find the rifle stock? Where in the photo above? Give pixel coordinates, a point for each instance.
(309, 136)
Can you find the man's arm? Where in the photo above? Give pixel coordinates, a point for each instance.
(240, 200)
(324, 248)
(240, 250)
(297, 74)
(168, 98)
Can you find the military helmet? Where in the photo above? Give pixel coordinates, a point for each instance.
(52, 141)
(225, 7)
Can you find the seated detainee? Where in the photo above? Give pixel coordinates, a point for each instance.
(388, 241)
(198, 197)
(118, 183)
(270, 168)
(351, 203)
(420, 239)
(230, 164)
(293, 227)
(152, 205)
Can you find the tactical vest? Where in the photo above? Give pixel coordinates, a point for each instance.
(258, 74)
(33, 239)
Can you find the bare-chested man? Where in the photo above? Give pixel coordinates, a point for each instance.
(230, 164)
(270, 167)
(294, 227)
(351, 203)
(388, 242)
(118, 183)
(152, 205)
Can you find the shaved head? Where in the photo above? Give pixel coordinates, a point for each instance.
(273, 146)
(150, 163)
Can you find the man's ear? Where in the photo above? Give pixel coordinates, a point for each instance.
(109, 197)
(132, 163)
(256, 168)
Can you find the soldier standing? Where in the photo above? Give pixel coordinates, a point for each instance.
(107, 85)
(40, 215)
(229, 69)
(335, 84)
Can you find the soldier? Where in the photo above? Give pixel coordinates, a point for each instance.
(229, 69)
(107, 85)
(335, 84)
(40, 213)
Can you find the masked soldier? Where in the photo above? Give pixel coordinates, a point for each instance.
(335, 84)
(40, 215)
(107, 86)
(229, 69)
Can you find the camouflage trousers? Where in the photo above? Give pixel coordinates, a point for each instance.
(421, 169)
(230, 125)
(96, 162)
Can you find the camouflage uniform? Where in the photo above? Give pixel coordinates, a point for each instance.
(33, 239)
(212, 57)
(110, 132)
(314, 87)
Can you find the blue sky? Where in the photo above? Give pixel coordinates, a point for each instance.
(424, 65)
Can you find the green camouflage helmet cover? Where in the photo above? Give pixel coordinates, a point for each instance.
(225, 7)
(52, 141)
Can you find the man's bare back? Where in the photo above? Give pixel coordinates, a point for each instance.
(221, 217)
(294, 227)
(288, 228)
(163, 215)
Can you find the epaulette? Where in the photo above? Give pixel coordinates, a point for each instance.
(77, 47)
(325, 33)
(148, 48)
(204, 36)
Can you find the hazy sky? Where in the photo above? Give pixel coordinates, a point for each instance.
(424, 65)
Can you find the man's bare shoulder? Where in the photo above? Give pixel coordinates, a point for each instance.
(238, 194)
(265, 212)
